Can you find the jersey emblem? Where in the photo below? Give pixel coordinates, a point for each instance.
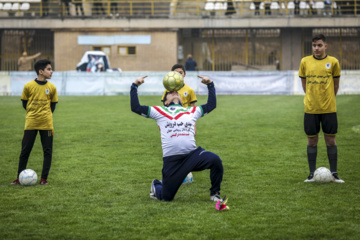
(186, 94)
(176, 115)
(328, 65)
(47, 91)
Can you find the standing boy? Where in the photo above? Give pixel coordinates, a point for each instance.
(39, 99)
(320, 77)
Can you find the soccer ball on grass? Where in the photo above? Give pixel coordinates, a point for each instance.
(28, 177)
(173, 81)
(189, 179)
(323, 175)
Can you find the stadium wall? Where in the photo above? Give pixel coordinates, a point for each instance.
(227, 83)
(69, 49)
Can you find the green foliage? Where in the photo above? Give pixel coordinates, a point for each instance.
(105, 158)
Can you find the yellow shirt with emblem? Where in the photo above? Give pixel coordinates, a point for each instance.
(38, 109)
(319, 74)
(187, 95)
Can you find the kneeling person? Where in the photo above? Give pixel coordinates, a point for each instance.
(180, 154)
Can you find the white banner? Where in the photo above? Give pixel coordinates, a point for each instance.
(83, 83)
(5, 87)
(19, 79)
(226, 83)
(349, 82)
(249, 82)
(120, 82)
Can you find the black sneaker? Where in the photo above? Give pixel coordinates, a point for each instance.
(310, 178)
(336, 178)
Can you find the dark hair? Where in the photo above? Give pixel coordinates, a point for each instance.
(165, 98)
(319, 37)
(41, 65)
(178, 66)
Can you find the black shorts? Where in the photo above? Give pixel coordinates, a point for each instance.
(329, 124)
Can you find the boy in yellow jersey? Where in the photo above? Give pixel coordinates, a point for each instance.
(187, 94)
(320, 77)
(39, 98)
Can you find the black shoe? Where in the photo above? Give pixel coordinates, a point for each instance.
(310, 178)
(336, 178)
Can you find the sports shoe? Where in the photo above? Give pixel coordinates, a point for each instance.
(310, 178)
(153, 190)
(336, 178)
(15, 182)
(216, 197)
(43, 181)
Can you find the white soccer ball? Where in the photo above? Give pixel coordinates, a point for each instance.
(28, 177)
(323, 175)
(173, 81)
(189, 179)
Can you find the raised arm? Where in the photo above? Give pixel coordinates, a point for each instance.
(211, 103)
(134, 100)
(34, 56)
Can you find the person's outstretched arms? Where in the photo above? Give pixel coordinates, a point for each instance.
(134, 100)
(211, 103)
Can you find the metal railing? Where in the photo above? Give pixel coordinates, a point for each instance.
(175, 8)
(213, 49)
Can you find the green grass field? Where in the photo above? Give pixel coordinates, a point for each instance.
(105, 158)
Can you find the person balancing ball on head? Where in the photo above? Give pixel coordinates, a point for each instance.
(180, 154)
(320, 77)
(187, 94)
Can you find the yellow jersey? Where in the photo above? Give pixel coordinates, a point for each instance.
(319, 74)
(38, 110)
(187, 95)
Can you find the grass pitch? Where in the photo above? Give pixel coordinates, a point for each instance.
(105, 158)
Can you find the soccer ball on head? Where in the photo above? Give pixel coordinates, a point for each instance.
(189, 179)
(173, 81)
(28, 177)
(323, 175)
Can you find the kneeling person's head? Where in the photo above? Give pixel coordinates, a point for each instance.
(172, 97)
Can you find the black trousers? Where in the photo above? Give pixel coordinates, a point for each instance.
(27, 145)
(80, 7)
(175, 169)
